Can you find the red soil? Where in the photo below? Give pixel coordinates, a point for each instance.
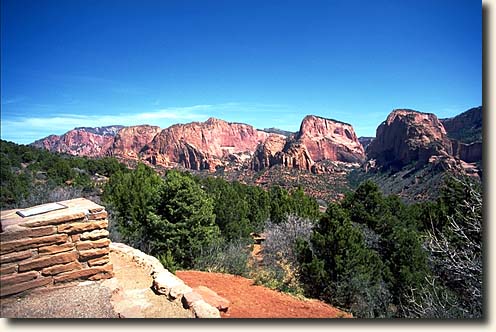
(251, 301)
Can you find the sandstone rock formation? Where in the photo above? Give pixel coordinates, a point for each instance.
(408, 136)
(104, 131)
(465, 132)
(295, 155)
(318, 139)
(166, 283)
(265, 153)
(129, 141)
(77, 142)
(199, 145)
(469, 153)
(328, 139)
(81, 141)
(214, 143)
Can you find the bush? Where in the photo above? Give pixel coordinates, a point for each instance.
(280, 239)
(455, 257)
(232, 257)
(280, 268)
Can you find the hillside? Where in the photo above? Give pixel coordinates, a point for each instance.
(465, 127)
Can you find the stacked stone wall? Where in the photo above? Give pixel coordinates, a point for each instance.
(53, 248)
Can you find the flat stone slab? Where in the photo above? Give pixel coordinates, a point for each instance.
(40, 209)
(212, 298)
(74, 209)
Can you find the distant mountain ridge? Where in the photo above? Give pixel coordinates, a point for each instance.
(273, 130)
(215, 143)
(365, 140)
(105, 131)
(406, 136)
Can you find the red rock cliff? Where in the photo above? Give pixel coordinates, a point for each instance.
(265, 153)
(77, 142)
(318, 139)
(408, 136)
(200, 145)
(130, 140)
(327, 139)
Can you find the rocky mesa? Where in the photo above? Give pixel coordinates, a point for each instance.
(77, 142)
(317, 140)
(129, 141)
(408, 136)
(202, 145)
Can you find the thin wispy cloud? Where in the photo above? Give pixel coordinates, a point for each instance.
(38, 127)
(17, 128)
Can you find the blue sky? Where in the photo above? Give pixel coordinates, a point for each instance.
(266, 63)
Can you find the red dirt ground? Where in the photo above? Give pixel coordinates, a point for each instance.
(251, 301)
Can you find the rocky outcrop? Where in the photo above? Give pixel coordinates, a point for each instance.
(78, 142)
(216, 143)
(327, 139)
(319, 139)
(200, 145)
(81, 141)
(465, 132)
(469, 153)
(465, 127)
(296, 156)
(265, 154)
(129, 141)
(408, 136)
(166, 283)
(104, 131)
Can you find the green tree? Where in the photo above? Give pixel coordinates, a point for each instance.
(303, 205)
(131, 198)
(183, 221)
(280, 204)
(338, 267)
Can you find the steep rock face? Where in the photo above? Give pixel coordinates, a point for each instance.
(200, 144)
(469, 153)
(129, 141)
(318, 139)
(77, 142)
(465, 127)
(465, 132)
(296, 155)
(408, 136)
(47, 143)
(327, 139)
(264, 155)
